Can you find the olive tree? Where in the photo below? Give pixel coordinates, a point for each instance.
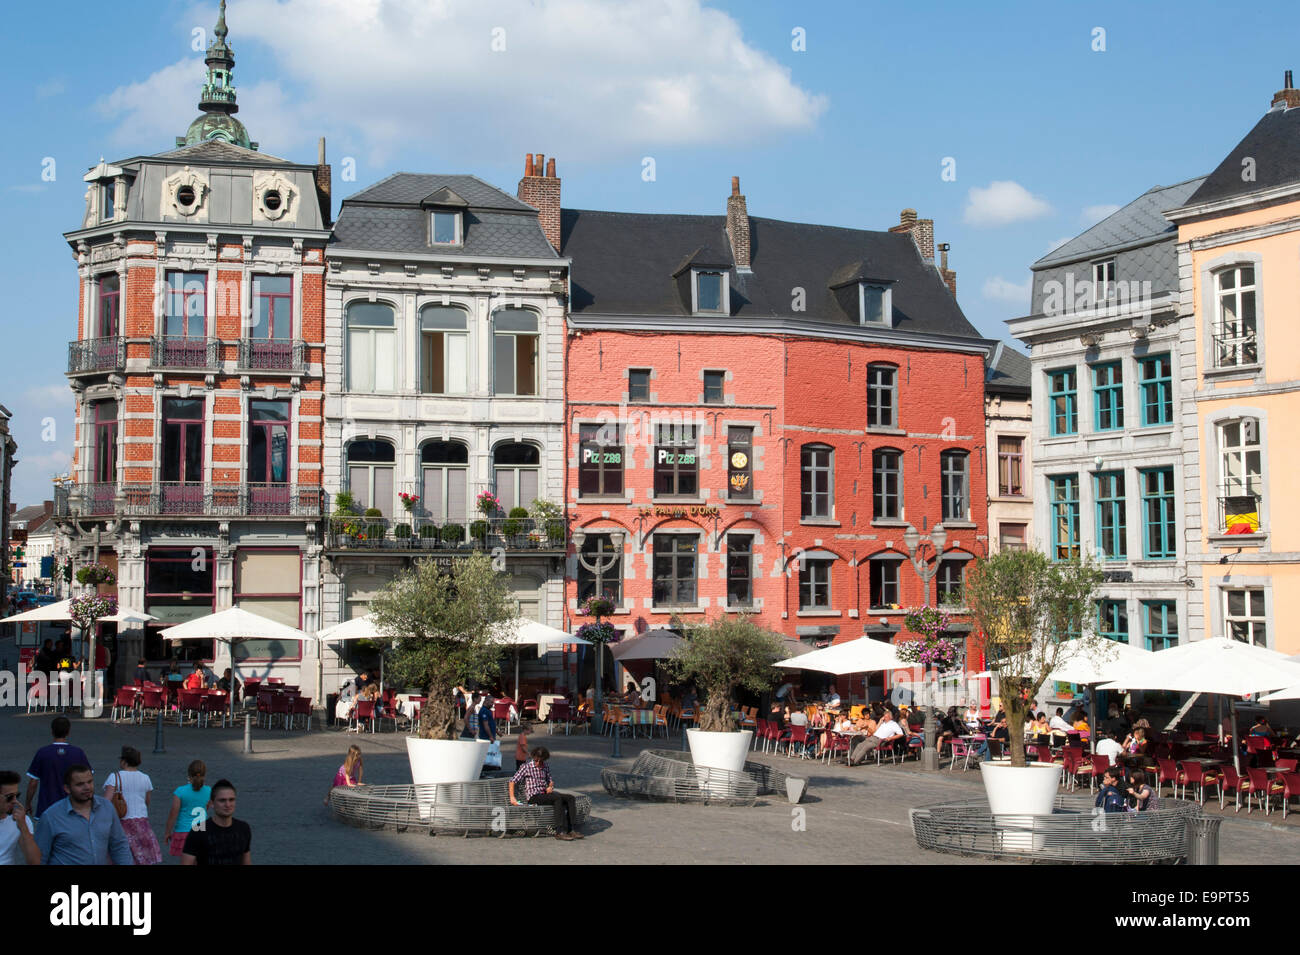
(722, 656)
(445, 630)
(1025, 604)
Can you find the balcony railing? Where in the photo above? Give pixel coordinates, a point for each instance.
(172, 352)
(257, 354)
(1235, 346)
(380, 533)
(1238, 511)
(90, 355)
(178, 499)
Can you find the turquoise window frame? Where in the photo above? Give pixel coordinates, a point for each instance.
(1112, 620)
(1108, 396)
(1159, 522)
(1112, 514)
(1063, 500)
(1063, 383)
(1155, 374)
(1160, 623)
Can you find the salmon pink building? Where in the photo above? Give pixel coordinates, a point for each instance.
(769, 417)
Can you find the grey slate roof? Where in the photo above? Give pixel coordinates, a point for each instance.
(407, 188)
(215, 150)
(388, 217)
(1274, 145)
(35, 512)
(1140, 220)
(1011, 374)
(623, 264)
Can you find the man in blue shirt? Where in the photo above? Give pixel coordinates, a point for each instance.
(50, 765)
(82, 829)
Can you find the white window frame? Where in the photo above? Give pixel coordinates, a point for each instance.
(1103, 284)
(1251, 620)
(1236, 294)
(372, 332)
(446, 346)
(1239, 452)
(457, 217)
(724, 300)
(886, 304)
(891, 388)
(538, 357)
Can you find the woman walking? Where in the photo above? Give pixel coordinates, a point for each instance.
(135, 788)
(189, 808)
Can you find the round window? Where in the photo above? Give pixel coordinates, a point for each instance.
(186, 197)
(272, 200)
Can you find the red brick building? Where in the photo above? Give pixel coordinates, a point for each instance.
(198, 371)
(758, 411)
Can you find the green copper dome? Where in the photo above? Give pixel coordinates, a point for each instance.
(220, 126)
(217, 99)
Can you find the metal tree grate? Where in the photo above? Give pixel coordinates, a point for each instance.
(482, 806)
(670, 776)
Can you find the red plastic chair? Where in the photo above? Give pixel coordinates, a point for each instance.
(124, 699)
(1194, 774)
(1196, 736)
(559, 713)
(1167, 772)
(836, 744)
(1262, 788)
(189, 702)
(1099, 766)
(301, 706)
(151, 701)
(217, 703)
(1229, 781)
(798, 736)
(1286, 765)
(501, 711)
(280, 703)
(1290, 787)
(365, 710)
(275, 680)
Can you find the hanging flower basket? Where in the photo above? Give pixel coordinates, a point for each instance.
(599, 633)
(934, 650)
(85, 610)
(96, 574)
(597, 607)
(408, 500)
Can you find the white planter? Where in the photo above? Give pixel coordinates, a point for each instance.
(1018, 792)
(445, 760)
(718, 751)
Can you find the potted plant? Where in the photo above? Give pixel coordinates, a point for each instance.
(1023, 604)
(478, 530)
(514, 524)
(95, 574)
(428, 535)
(453, 535)
(727, 654)
(344, 508)
(375, 528)
(445, 630)
(487, 504)
(402, 533)
(548, 521)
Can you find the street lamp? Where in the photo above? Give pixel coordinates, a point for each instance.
(912, 540)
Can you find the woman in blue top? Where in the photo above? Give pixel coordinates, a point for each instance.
(189, 806)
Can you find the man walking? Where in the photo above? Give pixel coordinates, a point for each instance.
(82, 829)
(223, 840)
(17, 839)
(539, 789)
(49, 766)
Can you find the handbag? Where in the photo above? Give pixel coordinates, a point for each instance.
(493, 758)
(119, 801)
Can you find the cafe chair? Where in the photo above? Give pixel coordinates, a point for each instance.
(559, 714)
(1167, 772)
(1263, 788)
(124, 700)
(1194, 774)
(1290, 787)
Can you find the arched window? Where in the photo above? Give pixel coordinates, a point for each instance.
(815, 484)
(372, 347)
(516, 469)
(370, 475)
(444, 350)
(445, 476)
(514, 351)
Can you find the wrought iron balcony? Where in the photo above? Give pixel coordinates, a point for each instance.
(260, 354)
(1235, 345)
(347, 532)
(90, 355)
(181, 499)
(1238, 511)
(173, 352)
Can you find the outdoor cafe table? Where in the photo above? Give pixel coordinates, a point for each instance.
(544, 703)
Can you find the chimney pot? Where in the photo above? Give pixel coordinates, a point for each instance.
(550, 168)
(735, 185)
(1287, 83)
(528, 165)
(906, 216)
(542, 192)
(539, 165)
(1288, 96)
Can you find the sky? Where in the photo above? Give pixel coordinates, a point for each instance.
(1014, 126)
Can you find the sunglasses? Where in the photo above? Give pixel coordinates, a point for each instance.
(10, 797)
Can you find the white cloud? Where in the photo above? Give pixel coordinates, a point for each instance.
(1004, 290)
(52, 397)
(580, 77)
(1002, 203)
(1091, 215)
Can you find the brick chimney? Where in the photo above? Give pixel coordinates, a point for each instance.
(948, 275)
(921, 231)
(540, 188)
(324, 187)
(1288, 95)
(738, 226)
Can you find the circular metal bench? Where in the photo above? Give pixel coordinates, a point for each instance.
(670, 776)
(1072, 833)
(482, 806)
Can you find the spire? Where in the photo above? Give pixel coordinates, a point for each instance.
(217, 100)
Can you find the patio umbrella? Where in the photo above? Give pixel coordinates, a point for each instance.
(227, 626)
(530, 633)
(50, 613)
(358, 628)
(863, 655)
(657, 644)
(1217, 665)
(126, 615)
(1290, 693)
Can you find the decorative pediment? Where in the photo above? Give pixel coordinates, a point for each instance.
(273, 195)
(444, 197)
(185, 191)
(704, 258)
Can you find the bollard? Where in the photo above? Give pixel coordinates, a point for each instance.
(248, 733)
(682, 726)
(617, 751)
(158, 746)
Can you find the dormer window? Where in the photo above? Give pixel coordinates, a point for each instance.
(445, 227)
(709, 293)
(107, 207)
(1103, 280)
(874, 304)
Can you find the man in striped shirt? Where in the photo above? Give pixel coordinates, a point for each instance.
(539, 789)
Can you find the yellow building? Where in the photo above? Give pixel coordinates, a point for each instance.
(1239, 287)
